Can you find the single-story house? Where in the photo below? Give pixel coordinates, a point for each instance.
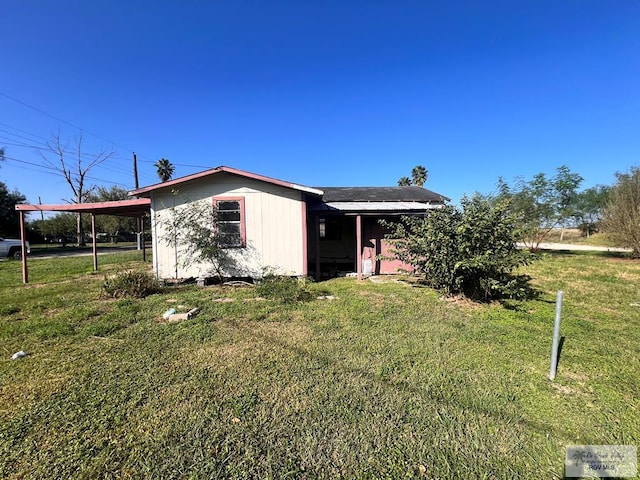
(271, 224)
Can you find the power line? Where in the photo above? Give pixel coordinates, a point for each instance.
(43, 112)
(23, 131)
(39, 110)
(46, 167)
(54, 171)
(18, 136)
(44, 144)
(62, 120)
(47, 148)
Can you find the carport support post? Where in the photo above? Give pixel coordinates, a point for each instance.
(141, 239)
(25, 271)
(94, 242)
(359, 245)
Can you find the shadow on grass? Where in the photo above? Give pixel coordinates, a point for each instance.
(586, 253)
(560, 345)
(525, 292)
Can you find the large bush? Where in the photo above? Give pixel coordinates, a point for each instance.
(469, 250)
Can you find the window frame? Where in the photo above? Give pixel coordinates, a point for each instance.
(243, 230)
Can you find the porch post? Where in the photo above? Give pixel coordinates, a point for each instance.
(94, 242)
(317, 235)
(305, 242)
(25, 272)
(359, 245)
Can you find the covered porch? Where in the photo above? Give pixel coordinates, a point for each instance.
(344, 242)
(345, 233)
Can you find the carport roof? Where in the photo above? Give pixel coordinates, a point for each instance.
(124, 208)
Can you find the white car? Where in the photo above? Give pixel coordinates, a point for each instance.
(11, 248)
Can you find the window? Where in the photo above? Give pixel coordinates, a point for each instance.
(230, 222)
(329, 228)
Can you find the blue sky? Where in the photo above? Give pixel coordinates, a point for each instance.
(323, 93)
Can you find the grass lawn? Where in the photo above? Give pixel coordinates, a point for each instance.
(385, 381)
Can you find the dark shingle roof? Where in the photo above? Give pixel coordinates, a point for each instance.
(380, 194)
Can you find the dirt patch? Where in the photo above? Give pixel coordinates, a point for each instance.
(580, 377)
(564, 389)
(461, 301)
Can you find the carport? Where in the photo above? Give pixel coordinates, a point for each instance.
(136, 208)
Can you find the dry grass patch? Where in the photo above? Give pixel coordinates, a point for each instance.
(240, 341)
(23, 396)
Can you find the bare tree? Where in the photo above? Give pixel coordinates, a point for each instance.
(74, 166)
(622, 213)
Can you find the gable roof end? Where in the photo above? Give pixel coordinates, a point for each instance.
(146, 191)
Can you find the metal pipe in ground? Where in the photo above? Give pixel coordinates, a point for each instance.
(556, 337)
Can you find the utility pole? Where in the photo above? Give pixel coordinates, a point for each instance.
(135, 170)
(41, 212)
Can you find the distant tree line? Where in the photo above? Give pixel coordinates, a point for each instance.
(537, 205)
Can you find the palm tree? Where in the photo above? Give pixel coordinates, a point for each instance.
(404, 182)
(419, 175)
(165, 169)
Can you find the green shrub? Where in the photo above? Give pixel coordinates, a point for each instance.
(283, 288)
(469, 250)
(130, 284)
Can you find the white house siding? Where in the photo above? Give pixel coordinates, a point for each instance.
(273, 222)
